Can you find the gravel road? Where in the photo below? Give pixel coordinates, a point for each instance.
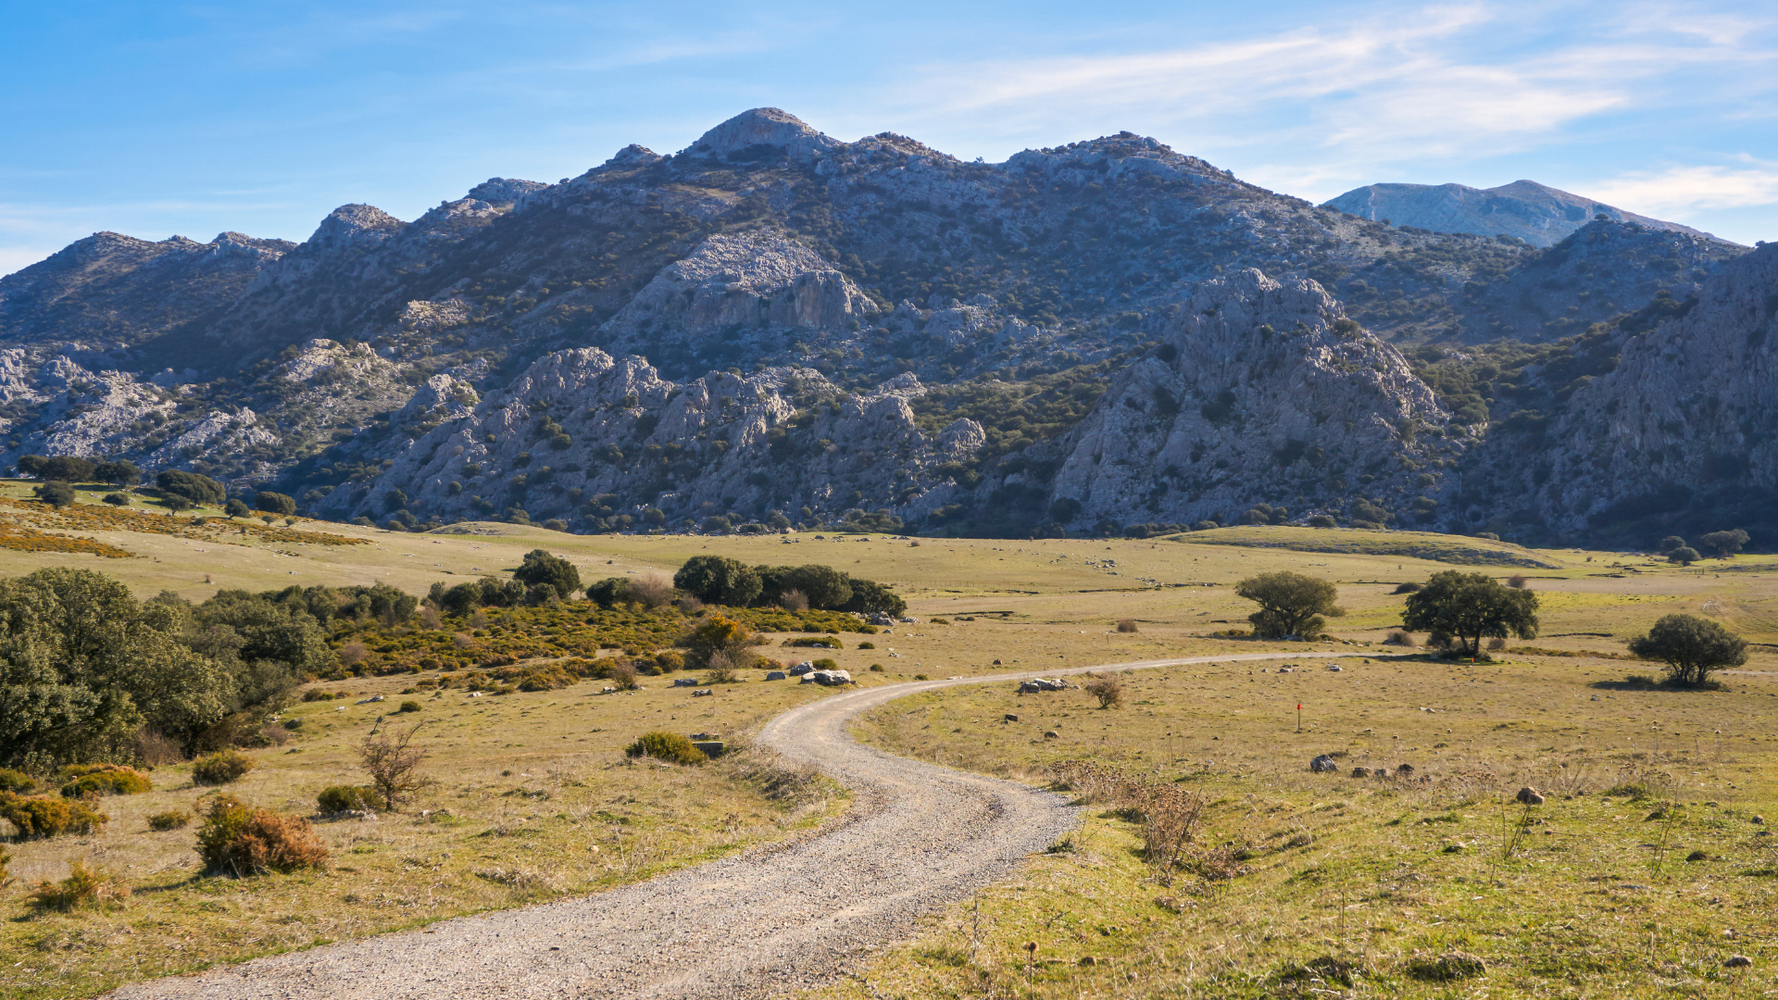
(917, 837)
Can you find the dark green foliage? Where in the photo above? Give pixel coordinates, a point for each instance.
(1685, 555)
(54, 493)
(86, 665)
(1469, 606)
(118, 472)
(670, 747)
(609, 592)
(340, 798)
(274, 503)
(409, 706)
(117, 499)
(1670, 543)
(172, 819)
(868, 596)
(540, 569)
(223, 767)
(719, 580)
(67, 468)
(237, 508)
(1291, 604)
(1726, 543)
(1691, 647)
(82, 780)
(197, 488)
(17, 782)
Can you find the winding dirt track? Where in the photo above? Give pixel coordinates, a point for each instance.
(917, 837)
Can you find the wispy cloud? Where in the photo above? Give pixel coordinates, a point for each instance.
(1680, 192)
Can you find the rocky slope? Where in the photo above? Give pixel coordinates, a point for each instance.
(773, 321)
(1526, 210)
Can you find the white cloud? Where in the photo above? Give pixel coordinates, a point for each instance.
(1680, 192)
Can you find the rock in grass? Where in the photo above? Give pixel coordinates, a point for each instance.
(1530, 796)
(775, 675)
(1011, 717)
(1738, 962)
(1361, 772)
(1323, 764)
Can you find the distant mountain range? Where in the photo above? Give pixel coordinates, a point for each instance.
(773, 324)
(1526, 210)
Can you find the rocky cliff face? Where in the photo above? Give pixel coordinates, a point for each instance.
(772, 319)
(1526, 210)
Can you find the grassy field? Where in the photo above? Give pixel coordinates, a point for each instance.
(535, 798)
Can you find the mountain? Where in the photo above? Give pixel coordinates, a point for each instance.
(774, 321)
(1526, 210)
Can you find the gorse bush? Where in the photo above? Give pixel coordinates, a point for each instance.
(1126, 625)
(103, 779)
(83, 887)
(47, 816)
(237, 839)
(172, 819)
(670, 747)
(1109, 691)
(343, 798)
(16, 781)
(222, 767)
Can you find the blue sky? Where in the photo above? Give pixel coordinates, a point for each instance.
(156, 119)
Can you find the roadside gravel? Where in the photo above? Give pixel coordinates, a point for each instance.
(918, 837)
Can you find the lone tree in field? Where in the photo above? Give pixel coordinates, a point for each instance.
(393, 766)
(540, 569)
(1289, 603)
(1691, 647)
(1470, 606)
(1685, 555)
(1670, 543)
(1726, 543)
(55, 493)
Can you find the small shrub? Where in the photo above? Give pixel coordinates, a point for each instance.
(16, 781)
(237, 839)
(83, 887)
(172, 819)
(876, 668)
(316, 694)
(941, 621)
(1516, 581)
(46, 816)
(393, 765)
(921, 677)
(1407, 588)
(222, 767)
(670, 747)
(822, 642)
(721, 668)
(669, 661)
(1400, 638)
(103, 779)
(1496, 644)
(336, 799)
(867, 645)
(1109, 691)
(408, 706)
(5, 859)
(1126, 625)
(623, 676)
(826, 663)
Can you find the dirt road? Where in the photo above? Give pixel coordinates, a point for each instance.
(918, 837)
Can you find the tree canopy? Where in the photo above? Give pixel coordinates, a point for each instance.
(274, 503)
(1289, 603)
(1468, 606)
(1691, 647)
(1685, 555)
(719, 580)
(67, 468)
(541, 569)
(193, 486)
(55, 493)
(1726, 543)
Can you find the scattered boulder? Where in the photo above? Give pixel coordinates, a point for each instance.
(1530, 796)
(1697, 856)
(1051, 734)
(1037, 684)
(1088, 960)
(802, 668)
(1336, 668)
(1011, 717)
(711, 748)
(705, 693)
(1323, 764)
(827, 678)
(1738, 962)
(685, 682)
(375, 697)
(775, 675)
(1361, 772)
(1404, 770)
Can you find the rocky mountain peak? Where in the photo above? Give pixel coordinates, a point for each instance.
(504, 190)
(1536, 213)
(348, 225)
(769, 127)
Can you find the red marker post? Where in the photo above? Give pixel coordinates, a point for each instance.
(1299, 716)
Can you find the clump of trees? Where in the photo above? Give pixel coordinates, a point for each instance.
(726, 581)
(191, 486)
(1469, 607)
(541, 569)
(1290, 604)
(1691, 647)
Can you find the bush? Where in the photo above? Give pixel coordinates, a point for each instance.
(822, 642)
(117, 499)
(1400, 638)
(408, 706)
(222, 767)
(239, 840)
(16, 781)
(44, 816)
(393, 765)
(1516, 581)
(876, 668)
(56, 494)
(1692, 647)
(1126, 625)
(826, 663)
(172, 819)
(83, 887)
(867, 645)
(670, 747)
(5, 859)
(343, 798)
(623, 676)
(1109, 691)
(103, 779)
(1685, 555)
(722, 667)
(1406, 588)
